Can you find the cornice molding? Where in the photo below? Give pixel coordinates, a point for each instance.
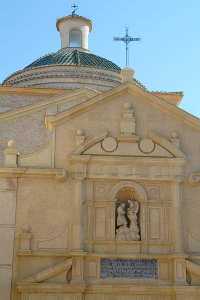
(23, 287)
(45, 103)
(131, 88)
(58, 174)
(32, 91)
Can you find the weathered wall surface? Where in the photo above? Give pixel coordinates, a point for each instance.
(107, 116)
(8, 191)
(49, 212)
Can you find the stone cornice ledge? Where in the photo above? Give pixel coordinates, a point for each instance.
(23, 287)
(58, 174)
(151, 288)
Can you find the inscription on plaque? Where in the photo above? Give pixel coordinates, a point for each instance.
(129, 268)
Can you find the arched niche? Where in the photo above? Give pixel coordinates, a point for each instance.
(139, 191)
(128, 198)
(75, 38)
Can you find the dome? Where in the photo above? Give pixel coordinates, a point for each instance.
(75, 57)
(71, 67)
(68, 68)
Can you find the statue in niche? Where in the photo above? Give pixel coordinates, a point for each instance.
(127, 227)
(122, 222)
(133, 211)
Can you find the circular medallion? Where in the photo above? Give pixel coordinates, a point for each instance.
(147, 146)
(109, 144)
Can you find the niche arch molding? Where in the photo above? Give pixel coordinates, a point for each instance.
(140, 192)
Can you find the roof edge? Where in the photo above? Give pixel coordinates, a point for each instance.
(173, 98)
(77, 17)
(129, 86)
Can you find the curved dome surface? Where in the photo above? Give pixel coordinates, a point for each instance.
(74, 57)
(68, 68)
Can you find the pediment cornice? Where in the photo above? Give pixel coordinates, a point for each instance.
(131, 88)
(44, 104)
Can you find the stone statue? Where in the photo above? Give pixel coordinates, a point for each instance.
(121, 215)
(134, 230)
(122, 224)
(128, 231)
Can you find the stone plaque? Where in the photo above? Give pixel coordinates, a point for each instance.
(129, 268)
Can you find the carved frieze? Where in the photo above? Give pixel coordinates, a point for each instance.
(135, 172)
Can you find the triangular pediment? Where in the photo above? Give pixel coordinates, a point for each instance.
(124, 89)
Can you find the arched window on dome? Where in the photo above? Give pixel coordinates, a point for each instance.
(75, 38)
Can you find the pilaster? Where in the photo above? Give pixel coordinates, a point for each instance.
(177, 201)
(77, 227)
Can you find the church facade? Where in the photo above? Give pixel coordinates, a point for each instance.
(99, 182)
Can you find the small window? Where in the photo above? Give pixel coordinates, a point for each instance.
(75, 39)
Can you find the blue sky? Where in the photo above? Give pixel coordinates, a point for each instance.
(167, 58)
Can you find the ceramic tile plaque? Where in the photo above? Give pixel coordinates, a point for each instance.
(129, 268)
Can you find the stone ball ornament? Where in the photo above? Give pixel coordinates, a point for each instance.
(147, 146)
(174, 135)
(109, 144)
(11, 144)
(80, 132)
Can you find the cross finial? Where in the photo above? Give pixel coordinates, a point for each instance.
(74, 9)
(127, 39)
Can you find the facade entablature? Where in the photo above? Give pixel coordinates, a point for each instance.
(45, 173)
(126, 168)
(153, 158)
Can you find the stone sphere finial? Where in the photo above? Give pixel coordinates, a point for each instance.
(80, 132)
(11, 144)
(127, 74)
(174, 135)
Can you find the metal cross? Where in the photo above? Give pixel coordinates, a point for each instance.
(127, 39)
(74, 9)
